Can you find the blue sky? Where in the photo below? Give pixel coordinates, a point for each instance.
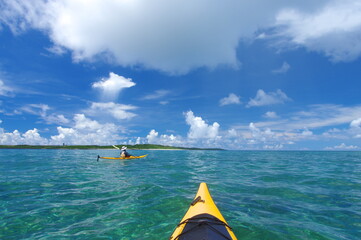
(230, 74)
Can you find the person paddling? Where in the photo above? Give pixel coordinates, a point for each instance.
(124, 153)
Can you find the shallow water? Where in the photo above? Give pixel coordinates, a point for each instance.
(67, 194)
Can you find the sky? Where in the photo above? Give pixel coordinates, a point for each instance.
(231, 74)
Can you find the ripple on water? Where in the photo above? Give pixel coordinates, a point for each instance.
(59, 194)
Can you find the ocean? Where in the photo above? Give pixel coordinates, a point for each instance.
(67, 194)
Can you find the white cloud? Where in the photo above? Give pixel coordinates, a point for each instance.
(33, 137)
(231, 99)
(307, 132)
(83, 132)
(117, 111)
(163, 102)
(270, 115)
(262, 98)
(178, 36)
(232, 133)
(265, 138)
(334, 29)
(356, 123)
(283, 69)
(57, 50)
(87, 131)
(56, 119)
(200, 134)
(167, 140)
(355, 128)
(41, 110)
(171, 36)
(262, 136)
(152, 136)
(312, 117)
(82, 122)
(157, 94)
(342, 146)
(199, 128)
(174, 37)
(36, 109)
(112, 86)
(5, 90)
(300, 126)
(30, 137)
(324, 115)
(273, 147)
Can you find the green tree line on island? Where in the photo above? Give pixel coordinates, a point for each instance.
(130, 147)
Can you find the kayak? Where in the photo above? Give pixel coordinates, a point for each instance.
(203, 220)
(122, 158)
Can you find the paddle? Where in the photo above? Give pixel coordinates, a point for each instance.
(115, 147)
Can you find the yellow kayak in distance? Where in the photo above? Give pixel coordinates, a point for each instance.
(122, 158)
(203, 220)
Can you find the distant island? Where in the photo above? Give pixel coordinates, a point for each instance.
(130, 147)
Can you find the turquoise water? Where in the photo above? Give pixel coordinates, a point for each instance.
(67, 194)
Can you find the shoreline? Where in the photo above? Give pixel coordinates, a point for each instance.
(106, 147)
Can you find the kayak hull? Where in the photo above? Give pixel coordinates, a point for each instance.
(122, 158)
(203, 220)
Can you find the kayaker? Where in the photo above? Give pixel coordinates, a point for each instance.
(124, 153)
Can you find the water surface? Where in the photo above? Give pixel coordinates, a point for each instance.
(67, 194)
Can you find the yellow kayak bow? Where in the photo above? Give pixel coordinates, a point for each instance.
(203, 220)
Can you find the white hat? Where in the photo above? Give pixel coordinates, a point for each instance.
(124, 148)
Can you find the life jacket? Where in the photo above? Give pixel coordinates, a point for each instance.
(124, 153)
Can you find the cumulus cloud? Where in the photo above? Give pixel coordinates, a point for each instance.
(283, 69)
(164, 139)
(83, 131)
(200, 134)
(82, 122)
(334, 29)
(265, 138)
(30, 137)
(117, 111)
(111, 87)
(199, 128)
(152, 136)
(262, 98)
(174, 37)
(355, 128)
(170, 36)
(231, 99)
(232, 133)
(356, 123)
(87, 131)
(343, 146)
(259, 135)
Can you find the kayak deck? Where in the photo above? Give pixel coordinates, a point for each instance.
(123, 158)
(203, 220)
